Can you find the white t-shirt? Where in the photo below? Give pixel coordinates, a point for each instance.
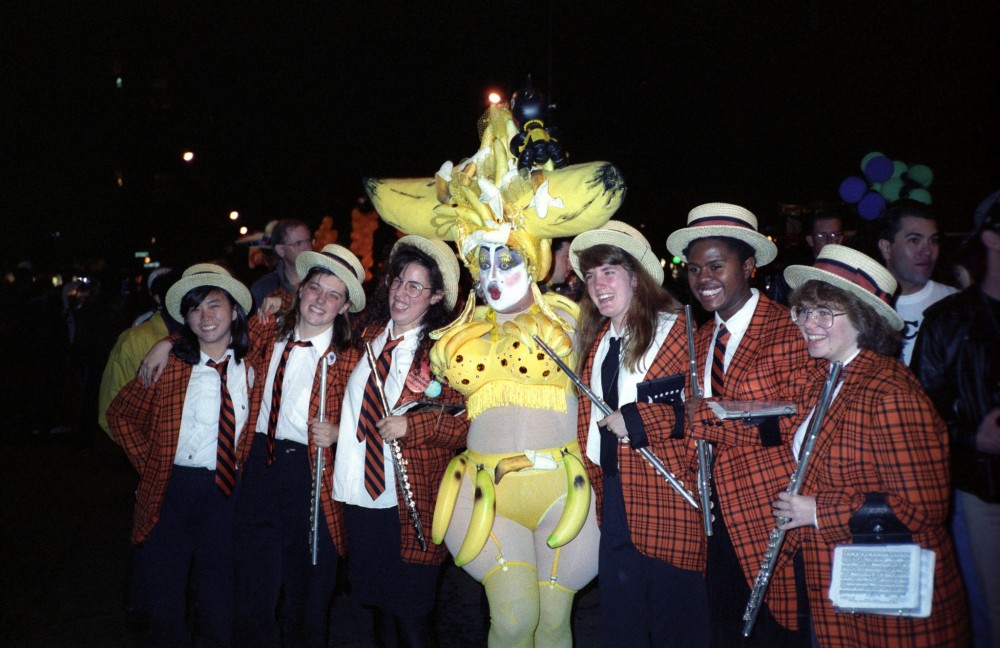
(911, 308)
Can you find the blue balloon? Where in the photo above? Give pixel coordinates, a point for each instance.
(852, 189)
(871, 205)
(879, 169)
(867, 158)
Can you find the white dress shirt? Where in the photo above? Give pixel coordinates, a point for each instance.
(296, 388)
(349, 465)
(197, 442)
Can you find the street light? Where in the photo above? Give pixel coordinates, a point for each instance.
(233, 215)
(495, 97)
(188, 156)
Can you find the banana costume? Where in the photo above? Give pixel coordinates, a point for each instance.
(531, 540)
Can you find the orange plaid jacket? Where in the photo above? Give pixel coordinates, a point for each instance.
(430, 443)
(768, 364)
(146, 423)
(661, 524)
(262, 340)
(881, 434)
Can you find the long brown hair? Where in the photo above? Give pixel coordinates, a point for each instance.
(649, 299)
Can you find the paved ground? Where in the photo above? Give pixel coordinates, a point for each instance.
(66, 515)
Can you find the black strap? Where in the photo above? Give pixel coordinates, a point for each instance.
(876, 523)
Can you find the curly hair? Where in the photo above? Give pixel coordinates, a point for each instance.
(874, 331)
(378, 313)
(649, 299)
(187, 347)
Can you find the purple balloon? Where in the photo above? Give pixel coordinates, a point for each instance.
(852, 189)
(871, 205)
(879, 169)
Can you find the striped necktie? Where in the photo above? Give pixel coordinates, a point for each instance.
(225, 456)
(371, 413)
(719, 361)
(279, 378)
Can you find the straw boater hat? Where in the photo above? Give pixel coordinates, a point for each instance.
(722, 219)
(620, 235)
(343, 264)
(854, 272)
(206, 274)
(445, 259)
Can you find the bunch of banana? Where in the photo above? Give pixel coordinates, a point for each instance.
(484, 510)
(577, 504)
(447, 346)
(527, 325)
(451, 483)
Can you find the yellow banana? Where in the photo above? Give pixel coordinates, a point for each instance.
(483, 212)
(577, 504)
(463, 334)
(465, 316)
(451, 483)
(484, 510)
(590, 194)
(403, 202)
(511, 464)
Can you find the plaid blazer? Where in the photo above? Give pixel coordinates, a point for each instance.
(262, 340)
(146, 423)
(430, 443)
(768, 364)
(881, 434)
(661, 524)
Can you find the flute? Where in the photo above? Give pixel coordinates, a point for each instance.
(317, 484)
(647, 454)
(398, 462)
(704, 450)
(777, 536)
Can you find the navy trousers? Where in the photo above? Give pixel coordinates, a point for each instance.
(189, 549)
(281, 598)
(644, 601)
(728, 595)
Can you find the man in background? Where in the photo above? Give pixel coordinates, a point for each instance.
(909, 243)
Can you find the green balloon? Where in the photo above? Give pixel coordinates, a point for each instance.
(920, 195)
(891, 188)
(921, 174)
(898, 168)
(864, 160)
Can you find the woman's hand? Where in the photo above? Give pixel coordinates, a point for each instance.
(270, 306)
(392, 427)
(155, 362)
(616, 423)
(324, 433)
(799, 510)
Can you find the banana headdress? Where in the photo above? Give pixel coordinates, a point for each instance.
(486, 199)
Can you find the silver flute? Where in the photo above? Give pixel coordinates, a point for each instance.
(398, 461)
(704, 449)
(648, 454)
(777, 536)
(317, 483)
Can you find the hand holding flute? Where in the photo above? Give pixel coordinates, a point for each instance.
(647, 454)
(396, 454)
(704, 450)
(322, 433)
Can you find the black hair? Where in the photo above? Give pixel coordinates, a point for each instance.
(187, 348)
(741, 249)
(891, 221)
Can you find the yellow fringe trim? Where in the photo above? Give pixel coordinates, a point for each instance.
(498, 393)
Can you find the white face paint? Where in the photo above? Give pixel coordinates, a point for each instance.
(504, 278)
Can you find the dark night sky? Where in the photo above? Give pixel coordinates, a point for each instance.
(289, 109)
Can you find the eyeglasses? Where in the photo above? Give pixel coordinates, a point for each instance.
(832, 237)
(300, 244)
(822, 316)
(411, 288)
